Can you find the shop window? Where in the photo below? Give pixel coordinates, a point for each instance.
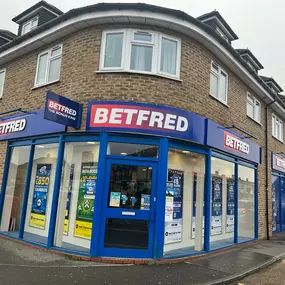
(16, 181)
(246, 209)
(30, 25)
(48, 66)
(277, 128)
(222, 203)
(253, 108)
(127, 149)
(2, 79)
(184, 209)
(77, 196)
(219, 83)
(40, 193)
(140, 51)
(276, 211)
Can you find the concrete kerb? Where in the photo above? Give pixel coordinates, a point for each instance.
(239, 276)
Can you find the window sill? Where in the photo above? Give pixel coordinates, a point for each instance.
(45, 84)
(278, 139)
(138, 72)
(218, 100)
(254, 120)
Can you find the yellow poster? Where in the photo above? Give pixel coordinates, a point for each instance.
(65, 228)
(37, 220)
(83, 229)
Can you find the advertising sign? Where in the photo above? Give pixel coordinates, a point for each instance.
(230, 205)
(62, 110)
(86, 200)
(145, 202)
(216, 227)
(231, 142)
(115, 198)
(145, 118)
(40, 196)
(278, 162)
(28, 124)
(69, 195)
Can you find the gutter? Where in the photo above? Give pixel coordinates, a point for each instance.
(266, 168)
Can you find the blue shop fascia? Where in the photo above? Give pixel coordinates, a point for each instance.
(142, 181)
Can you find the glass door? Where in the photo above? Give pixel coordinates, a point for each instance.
(127, 226)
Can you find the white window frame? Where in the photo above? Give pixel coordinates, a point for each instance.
(29, 23)
(2, 89)
(256, 114)
(218, 75)
(276, 120)
(222, 34)
(50, 58)
(128, 40)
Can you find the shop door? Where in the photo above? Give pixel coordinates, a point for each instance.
(128, 210)
(282, 206)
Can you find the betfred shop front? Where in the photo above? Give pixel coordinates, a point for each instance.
(142, 181)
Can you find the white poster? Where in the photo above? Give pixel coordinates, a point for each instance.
(216, 225)
(193, 234)
(169, 209)
(230, 223)
(173, 231)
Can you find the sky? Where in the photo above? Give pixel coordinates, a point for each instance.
(259, 24)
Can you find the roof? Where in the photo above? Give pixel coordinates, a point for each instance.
(7, 34)
(140, 7)
(247, 51)
(270, 79)
(216, 14)
(35, 7)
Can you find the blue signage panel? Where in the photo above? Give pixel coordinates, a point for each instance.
(26, 125)
(226, 140)
(131, 117)
(278, 162)
(63, 110)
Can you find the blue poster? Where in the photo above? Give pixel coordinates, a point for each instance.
(40, 196)
(216, 225)
(145, 202)
(230, 197)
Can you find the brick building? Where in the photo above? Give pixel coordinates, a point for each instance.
(217, 175)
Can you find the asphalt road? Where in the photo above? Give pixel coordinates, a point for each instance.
(273, 275)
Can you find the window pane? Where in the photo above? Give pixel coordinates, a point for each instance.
(215, 67)
(77, 196)
(223, 87)
(54, 69)
(250, 110)
(141, 58)
(142, 37)
(42, 66)
(184, 209)
(34, 23)
(222, 203)
(40, 193)
(168, 56)
(273, 126)
(2, 77)
(26, 28)
(246, 211)
(138, 150)
(113, 50)
(214, 85)
(56, 51)
(16, 181)
(257, 111)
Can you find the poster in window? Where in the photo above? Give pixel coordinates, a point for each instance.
(86, 200)
(145, 202)
(40, 196)
(174, 206)
(230, 206)
(69, 195)
(194, 205)
(216, 225)
(274, 208)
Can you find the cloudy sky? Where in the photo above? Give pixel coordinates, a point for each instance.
(260, 24)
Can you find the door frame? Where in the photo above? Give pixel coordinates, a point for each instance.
(107, 212)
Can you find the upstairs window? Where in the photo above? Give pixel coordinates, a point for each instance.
(141, 52)
(28, 26)
(48, 66)
(253, 108)
(2, 79)
(277, 128)
(222, 34)
(219, 83)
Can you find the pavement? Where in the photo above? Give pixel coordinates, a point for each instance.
(21, 264)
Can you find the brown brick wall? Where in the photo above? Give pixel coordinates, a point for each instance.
(79, 81)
